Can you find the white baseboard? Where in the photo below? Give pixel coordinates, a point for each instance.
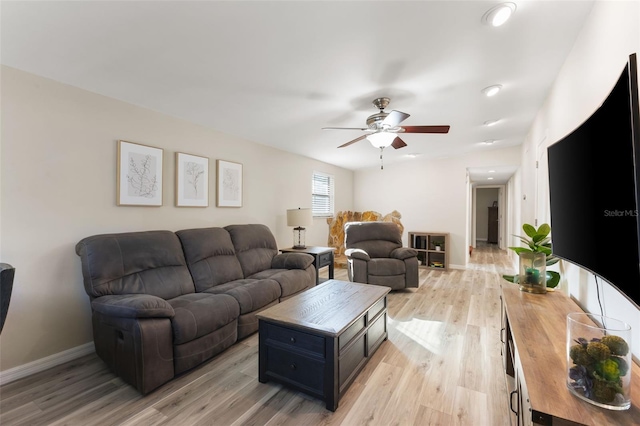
(15, 373)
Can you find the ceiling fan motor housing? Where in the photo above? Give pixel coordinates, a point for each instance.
(374, 121)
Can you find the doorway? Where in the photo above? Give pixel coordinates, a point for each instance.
(487, 224)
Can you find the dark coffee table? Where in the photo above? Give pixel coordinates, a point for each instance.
(318, 341)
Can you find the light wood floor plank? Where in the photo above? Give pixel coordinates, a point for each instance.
(441, 365)
(430, 417)
(375, 397)
(470, 407)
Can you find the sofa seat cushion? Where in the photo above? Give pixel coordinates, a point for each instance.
(291, 281)
(199, 314)
(250, 294)
(385, 267)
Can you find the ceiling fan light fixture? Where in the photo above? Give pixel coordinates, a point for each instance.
(492, 90)
(489, 142)
(499, 14)
(381, 139)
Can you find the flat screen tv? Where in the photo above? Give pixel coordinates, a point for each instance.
(594, 192)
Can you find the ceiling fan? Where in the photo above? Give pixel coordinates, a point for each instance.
(383, 128)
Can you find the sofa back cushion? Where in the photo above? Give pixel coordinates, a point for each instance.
(148, 262)
(255, 247)
(210, 256)
(378, 239)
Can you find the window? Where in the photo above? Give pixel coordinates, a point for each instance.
(322, 194)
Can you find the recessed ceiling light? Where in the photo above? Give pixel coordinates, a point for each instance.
(490, 123)
(498, 14)
(488, 142)
(492, 90)
(489, 178)
(492, 171)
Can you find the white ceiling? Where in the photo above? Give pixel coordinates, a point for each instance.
(276, 72)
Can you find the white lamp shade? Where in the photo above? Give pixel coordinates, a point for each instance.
(381, 139)
(299, 217)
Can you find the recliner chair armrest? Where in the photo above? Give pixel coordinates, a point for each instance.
(403, 253)
(133, 306)
(357, 254)
(291, 261)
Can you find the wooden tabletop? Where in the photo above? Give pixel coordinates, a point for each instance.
(309, 250)
(328, 308)
(538, 325)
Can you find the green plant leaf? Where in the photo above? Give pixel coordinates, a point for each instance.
(511, 278)
(519, 250)
(544, 241)
(544, 229)
(528, 242)
(537, 238)
(552, 260)
(529, 230)
(553, 278)
(545, 250)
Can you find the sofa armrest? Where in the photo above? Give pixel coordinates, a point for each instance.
(403, 253)
(133, 306)
(291, 261)
(357, 254)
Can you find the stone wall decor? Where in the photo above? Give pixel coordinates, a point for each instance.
(336, 229)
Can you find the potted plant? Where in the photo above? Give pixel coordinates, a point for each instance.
(536, 241)
(438, 245)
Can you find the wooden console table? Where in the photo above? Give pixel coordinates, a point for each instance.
(534, 331)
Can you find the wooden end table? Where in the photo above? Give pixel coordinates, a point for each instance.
(319, 340)
(322, 256)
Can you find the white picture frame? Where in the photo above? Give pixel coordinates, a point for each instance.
(192, 180)
(229, 185)
(139, 175)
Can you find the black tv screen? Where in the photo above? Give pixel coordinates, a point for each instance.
(593, 190)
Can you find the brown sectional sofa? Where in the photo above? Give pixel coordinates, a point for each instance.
(164, 302)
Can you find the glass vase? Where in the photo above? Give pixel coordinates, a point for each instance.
(599, 360)
(533, 272)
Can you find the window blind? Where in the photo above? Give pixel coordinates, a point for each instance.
(322, 194)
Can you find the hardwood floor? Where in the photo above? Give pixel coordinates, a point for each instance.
(440, 366)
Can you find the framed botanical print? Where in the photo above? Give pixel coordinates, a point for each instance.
(229, 191)
(139, 175)
(192, 180)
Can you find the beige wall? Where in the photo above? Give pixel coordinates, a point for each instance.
(431, 195)
(58, 170)
(610, 34)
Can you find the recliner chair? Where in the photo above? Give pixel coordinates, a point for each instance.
(375, 255)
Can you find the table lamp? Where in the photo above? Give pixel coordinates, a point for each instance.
(299, 218)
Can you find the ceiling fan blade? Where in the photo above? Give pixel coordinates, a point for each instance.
(394, 118)
(398, 143)
(426, 129)
(353, 141)
(346, 128)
